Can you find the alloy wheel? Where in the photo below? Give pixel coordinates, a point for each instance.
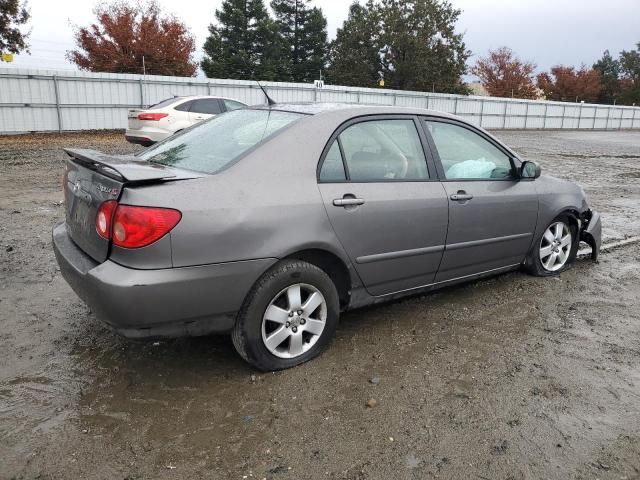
(294, 320)
(555, 246)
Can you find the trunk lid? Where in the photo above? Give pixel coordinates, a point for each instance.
(93, 177)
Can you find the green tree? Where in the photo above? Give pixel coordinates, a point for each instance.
(420, 48)
(13, 14)
(354, 55)
(243, 42)
(630, 76)
(609, 69)
(303, 36)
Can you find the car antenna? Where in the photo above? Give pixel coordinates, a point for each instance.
(270, 100)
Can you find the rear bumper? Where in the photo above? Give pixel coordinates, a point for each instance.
(591, 232)
(145, 136)
(168, 302)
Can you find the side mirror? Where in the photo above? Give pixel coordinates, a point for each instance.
(530, 170)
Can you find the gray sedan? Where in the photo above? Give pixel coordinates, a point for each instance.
(267, 222)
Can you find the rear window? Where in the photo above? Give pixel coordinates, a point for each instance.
(164, 103)
(216, 143)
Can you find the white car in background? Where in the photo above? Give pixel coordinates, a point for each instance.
(163, 119)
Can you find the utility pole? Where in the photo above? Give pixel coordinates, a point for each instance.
(144, 70)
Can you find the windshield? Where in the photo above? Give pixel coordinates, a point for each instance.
(213, 145)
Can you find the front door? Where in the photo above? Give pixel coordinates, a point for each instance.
(492, 213)
(388, 212)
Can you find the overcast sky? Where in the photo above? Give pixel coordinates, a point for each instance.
(547, 32)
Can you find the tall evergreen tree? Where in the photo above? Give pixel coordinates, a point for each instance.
(630, 75)
(609, 69)
(303, 35)
(243, 43)
(355, 53)
(420, 48)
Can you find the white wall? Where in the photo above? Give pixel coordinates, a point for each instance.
(46, 100)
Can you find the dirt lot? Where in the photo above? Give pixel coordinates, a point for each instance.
(508, 378)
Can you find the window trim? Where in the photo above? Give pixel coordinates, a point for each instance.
(335, 136)
(513, 158)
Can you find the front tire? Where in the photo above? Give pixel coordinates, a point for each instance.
(288, 317)
(556, 249)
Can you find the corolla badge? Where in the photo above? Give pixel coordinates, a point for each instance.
(76, 187)
(107, 190)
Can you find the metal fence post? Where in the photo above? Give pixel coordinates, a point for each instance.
(621, 117)
(580, 116)
(428, 101)
(504, 114)
(141, 93)
(544, 118)
(455, 107)
(481, 111)
(633, 119)
(56, 91)
(564, 109)
(395, 98)
(606, 127)
(595, 115)
(209, 88)
(526, 115)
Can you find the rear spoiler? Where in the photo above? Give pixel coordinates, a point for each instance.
(128, 168)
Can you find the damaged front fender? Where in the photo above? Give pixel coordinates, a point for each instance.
(591, 231)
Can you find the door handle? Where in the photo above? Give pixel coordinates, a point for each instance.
(461, 196)
(348, 201)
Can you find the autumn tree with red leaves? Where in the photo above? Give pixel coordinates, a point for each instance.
(568, 84)
(126, 33)
(503, 74)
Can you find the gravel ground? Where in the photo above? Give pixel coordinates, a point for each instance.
(512, 377)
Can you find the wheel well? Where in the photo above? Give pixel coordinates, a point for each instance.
(573, 218)
(333, 266)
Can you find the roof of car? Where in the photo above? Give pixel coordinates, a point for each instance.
(310, 108)
(192, 97)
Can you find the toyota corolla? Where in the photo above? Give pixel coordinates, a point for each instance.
(268, 222)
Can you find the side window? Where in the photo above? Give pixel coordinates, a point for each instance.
(210, 106)
(184, 107)
(384, 150)
(466, 155)
(233, 105)
(332, 167)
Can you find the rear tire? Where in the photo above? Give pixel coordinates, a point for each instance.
(555, 250)
(288, 317)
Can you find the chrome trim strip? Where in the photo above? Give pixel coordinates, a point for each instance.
(399, 254)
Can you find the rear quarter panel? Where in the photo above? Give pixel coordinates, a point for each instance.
(267, 205)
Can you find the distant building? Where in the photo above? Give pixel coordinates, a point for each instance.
(477, 89)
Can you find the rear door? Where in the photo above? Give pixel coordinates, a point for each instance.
(492, 213)
(204, 108)
(384, 202)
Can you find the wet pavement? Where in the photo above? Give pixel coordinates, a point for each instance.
(512, 377)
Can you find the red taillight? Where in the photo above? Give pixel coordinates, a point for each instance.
(104, 218)
(129, 226)
(152, 116)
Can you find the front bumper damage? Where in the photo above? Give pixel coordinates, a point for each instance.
(591, 231)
